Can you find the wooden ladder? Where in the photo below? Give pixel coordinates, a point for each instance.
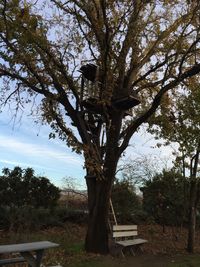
(112, 218)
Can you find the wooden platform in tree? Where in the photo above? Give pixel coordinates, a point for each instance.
(127, 102)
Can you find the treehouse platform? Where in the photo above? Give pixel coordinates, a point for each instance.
(126, 102)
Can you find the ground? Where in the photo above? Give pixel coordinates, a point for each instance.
(162, 250)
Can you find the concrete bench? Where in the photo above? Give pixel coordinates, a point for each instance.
(32, 253)
(125, 236)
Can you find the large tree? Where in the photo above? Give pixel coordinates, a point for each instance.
(143, 47)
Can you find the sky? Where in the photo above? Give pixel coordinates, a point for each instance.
(26, 144)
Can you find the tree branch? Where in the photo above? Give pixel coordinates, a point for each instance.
(156, 102)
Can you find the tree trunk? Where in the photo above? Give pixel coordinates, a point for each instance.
(99, 191)
(98, 203)
(193, 201)
(192, 218)
(191, 230)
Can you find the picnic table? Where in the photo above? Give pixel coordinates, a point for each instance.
(31, 253)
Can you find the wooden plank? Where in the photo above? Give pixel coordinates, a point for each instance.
(125, 233)
(133, 242)
(124, 227)
(27, 247)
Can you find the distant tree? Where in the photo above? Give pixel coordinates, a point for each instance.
(179, 122)
(163, 198)
(125, 200)
(20, 187)
(137, 170)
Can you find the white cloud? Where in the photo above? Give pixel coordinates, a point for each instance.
(24, 164)
(35, 150)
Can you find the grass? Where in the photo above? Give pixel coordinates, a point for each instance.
(91, 263)
(69, 237)
(71, 251)
(186, 261)
(144, 261)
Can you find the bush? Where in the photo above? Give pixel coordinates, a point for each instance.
(127, 204)
(19, 188)
(28, 218)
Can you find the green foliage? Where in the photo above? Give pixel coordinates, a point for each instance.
(126, 202)
(181, 122)
(165, 197)
(28, 218)
(21, 188)
(26, 201)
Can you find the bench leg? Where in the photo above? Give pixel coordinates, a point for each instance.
(139, 249)
(132, 251)
(117, 251)
(122, 253)
(31, 260)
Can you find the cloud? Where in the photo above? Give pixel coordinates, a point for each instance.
(28, 149)
(27, 127)
(24, 164)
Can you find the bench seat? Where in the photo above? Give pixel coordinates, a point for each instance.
(131, 242)
(125, 236)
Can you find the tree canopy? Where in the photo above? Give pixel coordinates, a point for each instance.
(180, 123)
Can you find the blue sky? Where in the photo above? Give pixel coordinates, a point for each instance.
(26, 144)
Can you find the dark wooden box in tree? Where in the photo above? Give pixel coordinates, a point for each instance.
(89, 71)
(126, 102)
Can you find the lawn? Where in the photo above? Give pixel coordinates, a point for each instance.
(161, 251)
(143, 261)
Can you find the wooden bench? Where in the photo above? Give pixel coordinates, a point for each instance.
(125, 236)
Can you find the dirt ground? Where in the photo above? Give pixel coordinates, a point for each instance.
(173, 241)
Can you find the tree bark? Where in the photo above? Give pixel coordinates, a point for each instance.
(193, 200)
(99, 191)
(192, 218)
(98, 203)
